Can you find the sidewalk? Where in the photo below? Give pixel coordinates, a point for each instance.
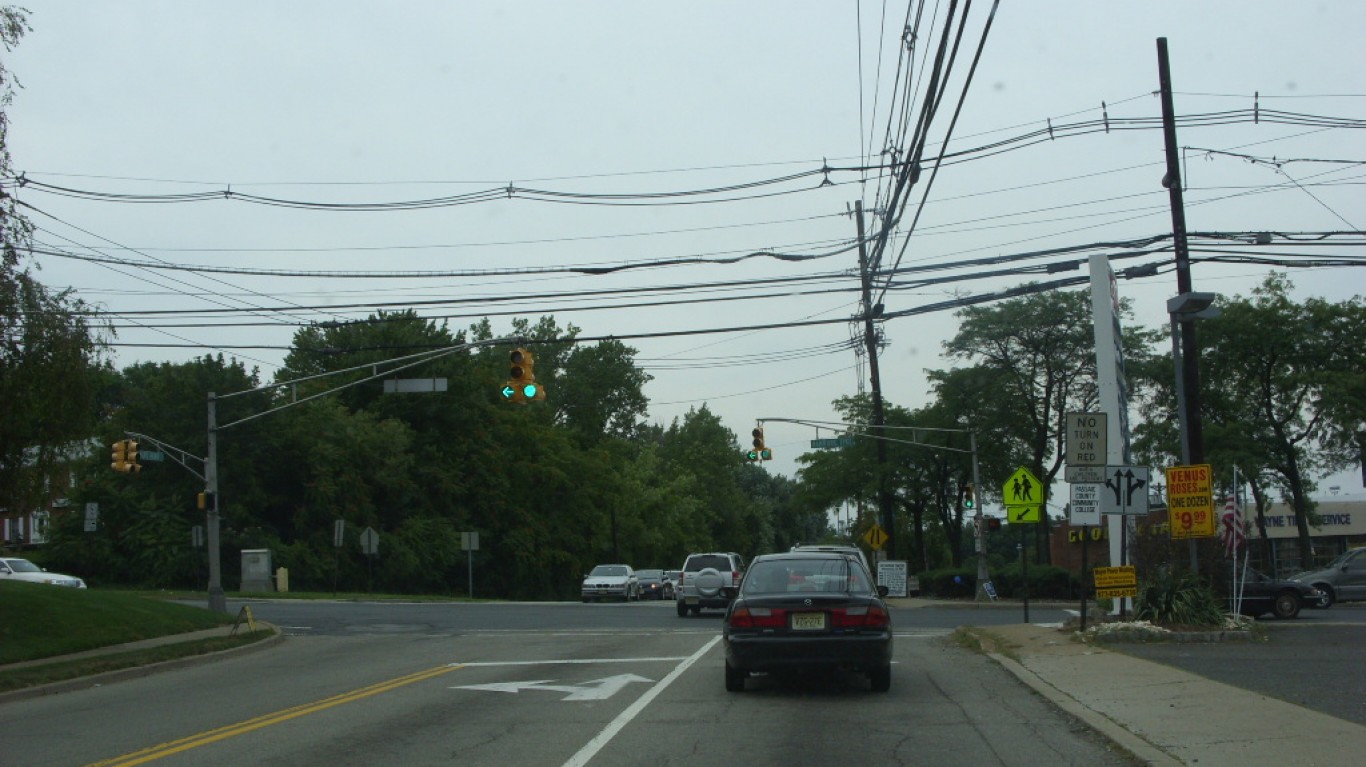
(1165, 716)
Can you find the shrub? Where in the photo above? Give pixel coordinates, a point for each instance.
(1177, 599)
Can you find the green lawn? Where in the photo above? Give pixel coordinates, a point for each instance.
(40, 621)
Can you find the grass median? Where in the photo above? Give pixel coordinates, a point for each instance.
(39, 622)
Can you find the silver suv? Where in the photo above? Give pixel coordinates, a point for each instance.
(709, 580)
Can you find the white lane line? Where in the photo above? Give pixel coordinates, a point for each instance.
(595, 745)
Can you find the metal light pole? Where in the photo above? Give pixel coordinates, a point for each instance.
(217, 601)
(1184, 310)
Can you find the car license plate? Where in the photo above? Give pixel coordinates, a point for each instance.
(808, 621)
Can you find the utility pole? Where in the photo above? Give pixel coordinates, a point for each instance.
(1193, 441)
(217, 601)
(979, 523)
(884, 496)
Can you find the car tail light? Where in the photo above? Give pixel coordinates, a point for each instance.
(864, 616)
(735, 577)
(744, 617)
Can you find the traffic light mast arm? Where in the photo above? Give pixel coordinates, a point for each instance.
(176, 454)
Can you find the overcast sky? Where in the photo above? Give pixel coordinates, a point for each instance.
(355, 103)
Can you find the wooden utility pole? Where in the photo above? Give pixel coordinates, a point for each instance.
(886, 515)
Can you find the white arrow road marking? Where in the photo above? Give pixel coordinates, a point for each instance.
(596, 689)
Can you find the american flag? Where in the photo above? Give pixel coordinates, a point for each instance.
(1233, 532)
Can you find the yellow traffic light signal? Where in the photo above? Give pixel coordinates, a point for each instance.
(124, 455)
(521, 386)
(761, 452)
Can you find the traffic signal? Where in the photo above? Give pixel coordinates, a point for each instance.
(521, 386)
(761, 452)
(993, 524)
(969, 497)
(124, 455)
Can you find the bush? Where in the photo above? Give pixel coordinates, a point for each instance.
(948, 583)
(1045, 582)
(1177, 599)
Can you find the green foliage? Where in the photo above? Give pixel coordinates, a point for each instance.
(949, 583)
(1045, 582)
(38, 621)
(1177, 598)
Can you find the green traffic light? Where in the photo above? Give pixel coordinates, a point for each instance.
(529, 391)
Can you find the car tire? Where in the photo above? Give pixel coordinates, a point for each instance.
(682, 609)
(881, 678)
(1286, 605)
(1328, 597)
(696, 610)
(735, 679)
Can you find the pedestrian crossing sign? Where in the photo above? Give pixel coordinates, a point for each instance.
(1022, 495)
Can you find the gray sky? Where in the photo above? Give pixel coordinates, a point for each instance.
(348, 102)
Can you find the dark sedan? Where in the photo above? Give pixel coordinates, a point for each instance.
(653, 585)
(1263, 594)
(808, 610)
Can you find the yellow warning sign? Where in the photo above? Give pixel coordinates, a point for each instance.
(1023, 497)
(876, 537)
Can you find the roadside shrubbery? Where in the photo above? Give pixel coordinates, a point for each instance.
(1045, 582)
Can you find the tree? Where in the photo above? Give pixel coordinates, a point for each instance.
(49, 351)
(1039, 354)
(1286, 402)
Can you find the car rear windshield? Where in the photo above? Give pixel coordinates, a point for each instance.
(792, 576)
(703, 561)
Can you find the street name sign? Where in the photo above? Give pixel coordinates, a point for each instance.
(1023, 497)
(1086, 439)
(832, 442)
(1190, 501)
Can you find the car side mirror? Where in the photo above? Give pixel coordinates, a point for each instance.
(883, 591)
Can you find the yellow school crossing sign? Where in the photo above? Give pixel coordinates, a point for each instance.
(1023, 497)
(876, 537)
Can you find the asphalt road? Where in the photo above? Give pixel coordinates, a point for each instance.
(544, 684)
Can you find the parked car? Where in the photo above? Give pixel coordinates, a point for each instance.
(16, 569)
(804, 610)
(1263, 594)
(653, 585)
(704, 580)
(611, 582)
(1342, 580)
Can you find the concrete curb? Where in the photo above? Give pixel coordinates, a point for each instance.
(1108, 728)
(134, 672)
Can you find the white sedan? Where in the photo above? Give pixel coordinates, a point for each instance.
(611, 582)
(15, 569)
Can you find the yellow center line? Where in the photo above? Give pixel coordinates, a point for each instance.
(241, 728)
